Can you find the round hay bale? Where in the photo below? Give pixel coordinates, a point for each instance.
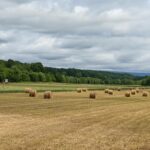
(79, 90)
(84, 89)
(133, 92)
(92, 96)
(27, 90)
(119, 89)
(127, 94)
(48, 95)
(145, 94)
(106, 90)
(137, 90)
(32, 93)
(110, 92)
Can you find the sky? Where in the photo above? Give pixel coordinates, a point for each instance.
(109, 35)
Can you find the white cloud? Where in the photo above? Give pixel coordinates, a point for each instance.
(96, 34)
(79, 10)
(117, 14)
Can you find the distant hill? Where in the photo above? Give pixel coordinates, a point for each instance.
(140, 74)
(17, 71)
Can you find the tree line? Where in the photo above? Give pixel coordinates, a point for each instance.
(16, 71)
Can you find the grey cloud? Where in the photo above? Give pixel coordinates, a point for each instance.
(3, 41)
(97, 34)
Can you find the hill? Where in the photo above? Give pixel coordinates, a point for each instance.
(17, 71)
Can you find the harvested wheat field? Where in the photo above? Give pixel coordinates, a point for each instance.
(72, 121)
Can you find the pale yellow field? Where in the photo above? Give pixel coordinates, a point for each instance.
(71, 121)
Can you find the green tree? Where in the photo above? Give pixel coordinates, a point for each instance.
(37, 67)
(34, 76)
(42, 77)
(14, 74)
(25, 76)
(146, 81)
(2, 76)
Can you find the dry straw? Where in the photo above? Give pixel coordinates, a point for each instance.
(110, 92)
(48, 95)
(106, 90)
(127, 94)
(119, 89)
(79, 90)
(137, 90)
(92, 96)
(145, 94)
(133, 92)
(27, 90)
(84, 89)
(33, 93)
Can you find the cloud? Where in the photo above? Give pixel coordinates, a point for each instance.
(98, 34)
(79, 10)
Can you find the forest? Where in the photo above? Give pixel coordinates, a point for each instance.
(16, 71)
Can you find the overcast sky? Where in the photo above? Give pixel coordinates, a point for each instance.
(88, 34)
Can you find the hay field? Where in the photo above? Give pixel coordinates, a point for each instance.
(72, 121)
(58, 87)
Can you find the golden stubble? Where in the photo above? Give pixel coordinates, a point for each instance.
(72, 121)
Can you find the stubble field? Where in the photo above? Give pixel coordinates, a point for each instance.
(72, 121)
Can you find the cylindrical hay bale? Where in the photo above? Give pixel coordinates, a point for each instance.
(127, 94)
(84, 89)
(110, 92)
(27, 90)
(79, 90)
(48, 95)
(92, 96)
(33, 93)
(133, 92)
(106, 90)
(137, 90)
(145, 94)
(119, 89)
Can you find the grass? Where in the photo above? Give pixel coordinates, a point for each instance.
(57, 87)
(72, 121)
